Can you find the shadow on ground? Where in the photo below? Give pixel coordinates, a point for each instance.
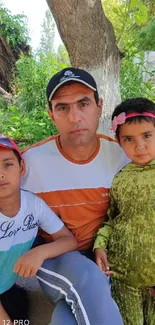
(40, 306)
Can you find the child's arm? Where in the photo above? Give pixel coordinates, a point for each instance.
(100, 244)
(4, 318)
(28, 264)
(103, 235)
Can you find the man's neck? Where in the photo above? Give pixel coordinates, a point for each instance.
(79, 153)
(10, 206)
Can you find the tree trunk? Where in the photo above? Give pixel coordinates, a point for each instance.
(8, 58)
(89, 38)
(7, 62)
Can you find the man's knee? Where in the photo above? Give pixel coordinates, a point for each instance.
(79, 270)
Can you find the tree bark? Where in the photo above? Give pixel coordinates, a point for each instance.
(6, 96)
(7, 62)
(8, 58)
(90, 41)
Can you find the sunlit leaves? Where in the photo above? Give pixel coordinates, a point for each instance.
(146, 36)
(13, 28)
(127, 17)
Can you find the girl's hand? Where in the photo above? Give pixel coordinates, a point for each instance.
(101, 261)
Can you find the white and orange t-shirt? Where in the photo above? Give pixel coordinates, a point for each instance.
(78, 192)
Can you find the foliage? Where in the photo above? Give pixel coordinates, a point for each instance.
(33, 76)
(3, 104)
(25, 128)
(48, 34)
(131, 77)
(26, 120)
(146, 37)
(127, 18)
(13, 28)
(134, 27)
(151, 7)
(62, 55)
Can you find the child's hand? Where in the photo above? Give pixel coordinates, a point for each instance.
(29, 263)
(152, 291)
(101, 261)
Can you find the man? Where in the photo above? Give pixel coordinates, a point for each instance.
(73, 172)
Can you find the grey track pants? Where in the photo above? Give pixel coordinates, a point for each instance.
(81, 290)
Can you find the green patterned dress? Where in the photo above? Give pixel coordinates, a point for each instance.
(129, 238)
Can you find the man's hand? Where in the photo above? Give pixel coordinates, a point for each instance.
(101, 261)
(29, 263)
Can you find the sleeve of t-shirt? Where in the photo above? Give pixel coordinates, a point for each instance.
(28, 181)
(48, 220)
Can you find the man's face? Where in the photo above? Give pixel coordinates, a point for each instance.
(76, 114)
(10, 173)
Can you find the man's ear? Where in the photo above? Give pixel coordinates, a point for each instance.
(22, 167)
(100, 106)
(50, 113)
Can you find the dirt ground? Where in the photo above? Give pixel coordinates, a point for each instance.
(40, 306)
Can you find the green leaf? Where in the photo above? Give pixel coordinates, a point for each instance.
(133, 4)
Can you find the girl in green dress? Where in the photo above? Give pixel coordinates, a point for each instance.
(125, 244)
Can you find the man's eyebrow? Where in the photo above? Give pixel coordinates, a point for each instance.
(84, 99)
(60, 105)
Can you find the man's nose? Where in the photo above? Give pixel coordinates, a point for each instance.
(2, 176)
(74, 115)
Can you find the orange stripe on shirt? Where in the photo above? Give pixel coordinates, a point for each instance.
(91, 205)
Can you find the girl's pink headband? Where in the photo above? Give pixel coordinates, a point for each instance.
(121, 118)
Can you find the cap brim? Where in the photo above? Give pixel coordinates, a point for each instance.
(10, 146)
(6, 146)
(66, 81)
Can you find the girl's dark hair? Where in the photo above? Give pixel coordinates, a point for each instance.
(135, 105)
(18, 156)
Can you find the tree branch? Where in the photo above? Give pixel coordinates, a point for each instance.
(7, 96)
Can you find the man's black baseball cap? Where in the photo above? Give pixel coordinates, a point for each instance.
(70, 74)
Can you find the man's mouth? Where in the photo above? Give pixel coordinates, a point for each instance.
(78, 131)
(3, 184)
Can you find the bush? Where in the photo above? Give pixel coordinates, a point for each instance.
(26, 128)
(33, 74)
(131, 77)
(13, 28)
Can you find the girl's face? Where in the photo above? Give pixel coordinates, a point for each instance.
(137, 139)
